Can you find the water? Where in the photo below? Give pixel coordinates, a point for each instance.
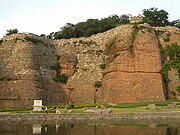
(67, 128)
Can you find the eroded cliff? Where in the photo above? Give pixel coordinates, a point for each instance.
(125, 59)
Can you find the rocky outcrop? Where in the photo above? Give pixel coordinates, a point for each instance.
(136, 74)
(174, 37)
(25, 73)
(131, 73)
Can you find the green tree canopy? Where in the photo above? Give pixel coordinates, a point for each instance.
(11, 31)
(124, 19)
(156, 17)
(89, 27)
(175, 23)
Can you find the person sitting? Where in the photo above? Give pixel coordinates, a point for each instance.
(57, 109)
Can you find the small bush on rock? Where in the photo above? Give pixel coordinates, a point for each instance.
(103, 66)
(98, 84)
(61, 78)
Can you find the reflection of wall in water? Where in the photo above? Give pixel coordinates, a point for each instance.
(81, 129)
(37, 129)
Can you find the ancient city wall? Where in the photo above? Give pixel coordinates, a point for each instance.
(130, 54)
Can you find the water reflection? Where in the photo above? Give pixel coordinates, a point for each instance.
(37, 129)
(83, 129)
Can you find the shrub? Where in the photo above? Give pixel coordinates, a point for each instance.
(104, 73)
(98, 84)
(165, 70)
(103, 66)
(173, 53)
(166, 38)
(11, 31)
(56, 66)
(61, 78)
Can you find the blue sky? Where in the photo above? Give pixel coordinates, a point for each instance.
(45, 16)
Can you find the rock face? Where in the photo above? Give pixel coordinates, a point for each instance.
(132, 71)
(174, 37)
(136, 75)
(24, 71)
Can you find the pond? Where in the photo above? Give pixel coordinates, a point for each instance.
(70, 128)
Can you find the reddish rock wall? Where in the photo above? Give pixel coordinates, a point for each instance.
(25, 67)
(174, 36)
(135, 75)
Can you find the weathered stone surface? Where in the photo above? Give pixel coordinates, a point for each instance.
(68, 62)
(135, 76)
(26, 66)
(133, 70)
(174, 35)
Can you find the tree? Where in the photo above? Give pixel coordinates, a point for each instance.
(89, 27)
(109, 22)
(124, 19)
(43, 35)
(156, 17)
(68, 31)
(175, 23)
(11, 31)
(51, 35)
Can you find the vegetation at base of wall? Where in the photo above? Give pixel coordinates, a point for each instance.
(124, 105)
(79, 108)
(98, 84)
(103, 66)
(34, 40)
(140, 104)
(15, 109)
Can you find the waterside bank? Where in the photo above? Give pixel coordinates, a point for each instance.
(145, 117)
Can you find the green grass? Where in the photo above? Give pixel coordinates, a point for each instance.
(140, 104)
(118, 108)
(141, 109)
(16, 110)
